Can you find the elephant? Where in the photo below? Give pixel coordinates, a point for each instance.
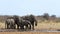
(10, 23)
(32, 20)
(24, 23)
(21, 22)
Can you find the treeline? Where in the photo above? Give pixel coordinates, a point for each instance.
(47, 17)
(43, 17)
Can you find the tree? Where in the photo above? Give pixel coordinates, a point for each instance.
(54, 16)
(46, 16)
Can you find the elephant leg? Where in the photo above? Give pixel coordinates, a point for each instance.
(30, 27)
(17, 26)
(7, 26)
(26, 27)
(22, 27)
(33, 26)
(14, 26)
(11, 26)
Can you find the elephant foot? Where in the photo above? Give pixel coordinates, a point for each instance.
(17, 27)
(29, 28)
(33, 29)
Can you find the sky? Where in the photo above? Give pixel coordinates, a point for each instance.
(26, 7)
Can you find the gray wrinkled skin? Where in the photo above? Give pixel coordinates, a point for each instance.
(21, 23)
(10, 24)
(32, 20)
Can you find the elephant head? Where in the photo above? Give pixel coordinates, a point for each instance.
(32, 19)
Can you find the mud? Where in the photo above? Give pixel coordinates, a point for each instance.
(16, 30)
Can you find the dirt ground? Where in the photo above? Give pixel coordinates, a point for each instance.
(29, 32)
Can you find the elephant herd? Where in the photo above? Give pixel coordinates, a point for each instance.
(23, 23)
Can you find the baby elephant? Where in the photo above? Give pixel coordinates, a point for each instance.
(10, 24)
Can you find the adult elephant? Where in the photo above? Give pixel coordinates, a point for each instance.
(10, 23)
(25, 23)
(21, 23)
(32, 20)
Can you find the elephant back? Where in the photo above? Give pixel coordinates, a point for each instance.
(10, 21)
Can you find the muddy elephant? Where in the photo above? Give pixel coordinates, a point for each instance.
(32, 20)
(10, 23)
(21, 23)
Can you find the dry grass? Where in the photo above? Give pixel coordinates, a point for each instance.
(50, 25)
(2, 25)
(41, 26)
